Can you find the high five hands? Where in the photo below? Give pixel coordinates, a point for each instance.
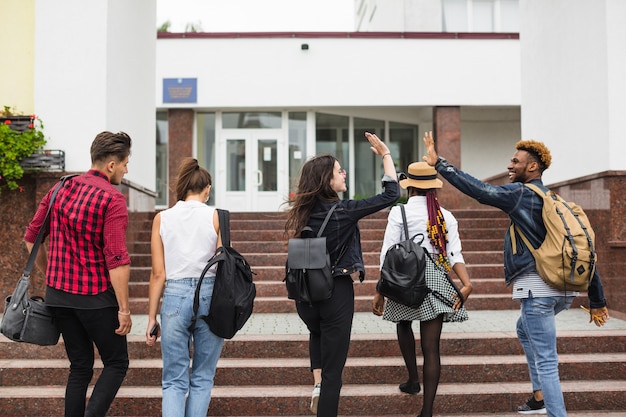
(431, 154)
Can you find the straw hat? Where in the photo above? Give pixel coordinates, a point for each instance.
(421, 175)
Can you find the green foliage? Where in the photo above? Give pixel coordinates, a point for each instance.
(165, 27)
(20, 136)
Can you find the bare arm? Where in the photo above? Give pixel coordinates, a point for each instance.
(461, 271)
(157, 277)
(119, 279)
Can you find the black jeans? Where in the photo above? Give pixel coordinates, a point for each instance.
(81, 329)
(330, 323)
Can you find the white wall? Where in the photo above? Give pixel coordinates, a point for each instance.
(398, 15)
(488, 138)
(94, 71)
(573, 89)
(267, 72)
(616, 65)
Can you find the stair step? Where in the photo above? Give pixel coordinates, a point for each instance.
(263, 370)
(358, 370)
(362, 303)
(366, 288)
(373, 399)
(269, 258)
(277, 272)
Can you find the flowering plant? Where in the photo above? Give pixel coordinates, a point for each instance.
(20, 136)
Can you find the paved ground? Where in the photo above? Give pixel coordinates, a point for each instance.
(479, 321)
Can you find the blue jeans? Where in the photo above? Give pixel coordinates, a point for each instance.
(187, 393)
(536, 331)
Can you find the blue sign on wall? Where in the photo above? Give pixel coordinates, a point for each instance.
(180, 90)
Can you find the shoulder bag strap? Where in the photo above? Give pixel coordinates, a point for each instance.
(224, 220)
(404, 223)
(42, 229)
(319, 233)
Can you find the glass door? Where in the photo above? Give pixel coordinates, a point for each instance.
(253, 171)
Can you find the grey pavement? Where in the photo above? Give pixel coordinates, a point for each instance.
(479, 321)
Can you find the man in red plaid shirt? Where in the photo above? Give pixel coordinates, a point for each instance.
(87, 269)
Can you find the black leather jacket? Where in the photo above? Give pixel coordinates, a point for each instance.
(342, 229)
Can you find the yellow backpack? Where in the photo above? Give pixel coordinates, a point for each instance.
(567, 258)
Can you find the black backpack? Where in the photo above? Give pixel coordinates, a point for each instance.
(403, 274)
(233, 293)
(308, 271)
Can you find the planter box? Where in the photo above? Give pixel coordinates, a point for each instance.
(45, 160)
(19, 123)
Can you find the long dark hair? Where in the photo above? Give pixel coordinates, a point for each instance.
(192, 178)
(313, 185)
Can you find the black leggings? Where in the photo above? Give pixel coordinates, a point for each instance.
(329, 323)
(430, 335)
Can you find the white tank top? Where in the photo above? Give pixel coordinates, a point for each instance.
(189, 239)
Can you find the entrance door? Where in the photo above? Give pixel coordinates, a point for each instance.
(253, 170)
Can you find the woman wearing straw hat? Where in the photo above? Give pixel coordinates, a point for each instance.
(441, 240)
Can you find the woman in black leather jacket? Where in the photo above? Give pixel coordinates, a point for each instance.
(330, 321)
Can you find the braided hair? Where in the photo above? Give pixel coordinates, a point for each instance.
(437, 230)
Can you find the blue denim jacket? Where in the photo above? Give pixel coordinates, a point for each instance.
(523, 207)
(342, 230)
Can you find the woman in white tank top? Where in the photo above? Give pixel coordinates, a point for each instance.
(184, 238)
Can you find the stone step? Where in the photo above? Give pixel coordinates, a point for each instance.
(368, 287)
(469, 245)
(362, 303)
(358, 370)
(362, 345)
(356, 400)
(277, 272)
(276, 235)
(486, 212)
(267, 258)
(246, 247)
(364, 224)
(499, 414)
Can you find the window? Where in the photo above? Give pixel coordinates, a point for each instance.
(206, 147)
(480, 15)
(252, 120)
(161, 158)
(331, 133)
(297, 146)
(368, 168)
(404, 144)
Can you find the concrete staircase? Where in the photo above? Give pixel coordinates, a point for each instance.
(483, 372)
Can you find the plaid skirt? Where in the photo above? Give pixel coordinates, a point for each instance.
(442, 288)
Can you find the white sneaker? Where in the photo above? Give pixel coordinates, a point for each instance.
(315, 396)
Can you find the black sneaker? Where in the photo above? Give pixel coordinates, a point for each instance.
(532, 406)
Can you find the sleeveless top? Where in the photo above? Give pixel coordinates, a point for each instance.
(189, 239)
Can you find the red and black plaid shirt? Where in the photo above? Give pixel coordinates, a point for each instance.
(87, 234)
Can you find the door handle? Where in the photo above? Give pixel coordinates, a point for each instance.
(259, 178)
